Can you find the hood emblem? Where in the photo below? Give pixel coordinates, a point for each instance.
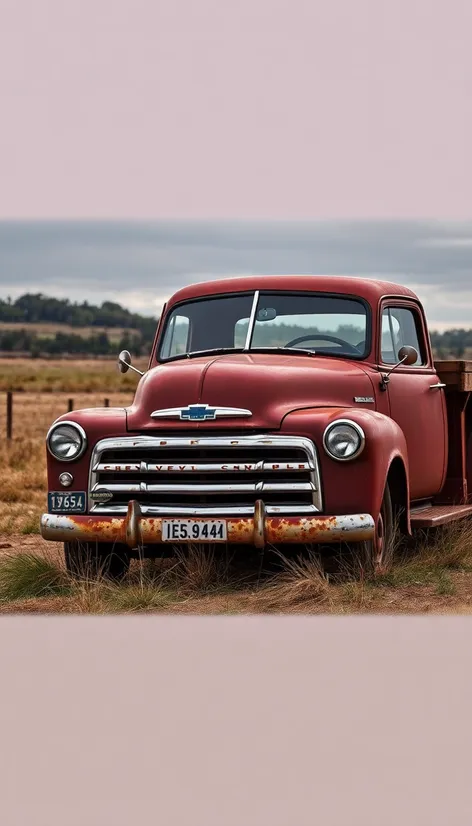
(364, 399)
(200, 413)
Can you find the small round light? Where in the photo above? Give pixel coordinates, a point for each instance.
(344, 440)
(66, 479)
(66, 441)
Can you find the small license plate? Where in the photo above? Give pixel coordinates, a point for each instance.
(60, 502)
(194, 530)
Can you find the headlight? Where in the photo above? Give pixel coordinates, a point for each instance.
(66, 441)
(344, 440)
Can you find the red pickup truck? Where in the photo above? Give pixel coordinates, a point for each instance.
(275, 411)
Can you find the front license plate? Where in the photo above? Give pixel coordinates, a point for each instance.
(59, 502)
(194, 530)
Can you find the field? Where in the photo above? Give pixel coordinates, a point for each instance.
(434, 578)
(100, 376)
(46, 329)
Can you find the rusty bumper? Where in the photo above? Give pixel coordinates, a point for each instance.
(136, 529)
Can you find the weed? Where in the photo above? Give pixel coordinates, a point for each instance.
(26, 576)
(301, 581)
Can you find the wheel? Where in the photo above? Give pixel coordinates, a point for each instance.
(92, 560)
(378, 553)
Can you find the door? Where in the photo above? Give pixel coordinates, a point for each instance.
(415, 403)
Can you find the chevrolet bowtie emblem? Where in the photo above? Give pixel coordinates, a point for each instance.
(200, 413)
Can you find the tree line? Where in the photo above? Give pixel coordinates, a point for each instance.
(34, 308)
(30, 308)
(98, 344)
(454, 343)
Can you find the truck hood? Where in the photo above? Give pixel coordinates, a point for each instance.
(269, 385)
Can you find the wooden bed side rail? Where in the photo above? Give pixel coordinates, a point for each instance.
(455, 374)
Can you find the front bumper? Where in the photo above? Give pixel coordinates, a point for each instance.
(136, 530)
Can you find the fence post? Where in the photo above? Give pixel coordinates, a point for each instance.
(70, 406)
(106, 402)
(9, 414)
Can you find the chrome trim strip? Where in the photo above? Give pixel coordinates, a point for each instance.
(229, 467)
(266, 441)
(255, 487)
(252, 439)
(252, 321)
(232, 510)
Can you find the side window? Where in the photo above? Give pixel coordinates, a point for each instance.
(176, 337)
(400, 327)
(389, 342)
(240, 332)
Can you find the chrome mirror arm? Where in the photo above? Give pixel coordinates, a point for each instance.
(407, 355)
(124, 363)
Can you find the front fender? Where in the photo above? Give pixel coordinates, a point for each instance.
(98, 423)
(355, 486)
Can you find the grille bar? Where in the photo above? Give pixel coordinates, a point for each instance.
(257, 487)
(156, 510)
(241, 467)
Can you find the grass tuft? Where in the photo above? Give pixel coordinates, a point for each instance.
(28, 576)
(301, 581)
(131, 598)
(444, 549)
(30, 527)
(199, 569)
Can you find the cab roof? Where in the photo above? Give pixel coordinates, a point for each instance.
(367, 288)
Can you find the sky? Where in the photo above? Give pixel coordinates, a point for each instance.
(144, 112)
(140, 264)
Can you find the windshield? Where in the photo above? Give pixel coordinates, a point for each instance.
(325, 324)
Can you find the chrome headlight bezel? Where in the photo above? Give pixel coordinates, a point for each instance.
(359, 433)
(81, 432)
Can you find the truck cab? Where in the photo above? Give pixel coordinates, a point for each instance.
(275, 410)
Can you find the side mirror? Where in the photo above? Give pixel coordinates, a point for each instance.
(407, 355)
(124, 363)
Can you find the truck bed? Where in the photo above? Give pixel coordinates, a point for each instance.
(455, 374)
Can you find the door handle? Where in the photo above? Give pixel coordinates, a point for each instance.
(434, 386)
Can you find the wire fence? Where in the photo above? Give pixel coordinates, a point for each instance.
(30, 405)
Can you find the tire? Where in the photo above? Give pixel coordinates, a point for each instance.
(95, 560)
(379, 552)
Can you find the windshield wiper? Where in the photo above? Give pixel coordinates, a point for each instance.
(214, 350)
(282, 350)
(222, 350)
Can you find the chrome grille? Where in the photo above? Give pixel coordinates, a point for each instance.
(207, 475)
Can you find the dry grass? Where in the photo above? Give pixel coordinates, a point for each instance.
(35, 581)
(300, 582)
(28, 575)
(200, 570)
(67, 376)
(434, 557)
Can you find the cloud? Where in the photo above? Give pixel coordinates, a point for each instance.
(140, 264)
